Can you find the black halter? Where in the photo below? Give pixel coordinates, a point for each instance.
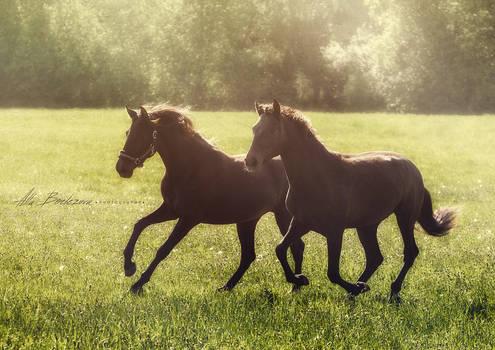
(149, 152)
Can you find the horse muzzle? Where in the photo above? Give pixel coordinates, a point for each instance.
(123, 170)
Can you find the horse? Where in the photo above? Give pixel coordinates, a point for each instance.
(201, 184)
(330, 191)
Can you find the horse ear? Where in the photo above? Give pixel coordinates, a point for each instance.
(258, 108)
(276, 107)
(132, 113)
(144, 114)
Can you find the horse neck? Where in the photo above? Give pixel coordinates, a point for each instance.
(179, 151)
(305, 158)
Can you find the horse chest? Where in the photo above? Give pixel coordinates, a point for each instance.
(318, 210)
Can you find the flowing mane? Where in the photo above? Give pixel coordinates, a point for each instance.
(294, 115)
(165, 115)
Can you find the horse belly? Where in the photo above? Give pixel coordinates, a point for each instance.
(230, 194)
(236, 204)
(370, 216)
(374, 204)
(233, 211)
(336, 209)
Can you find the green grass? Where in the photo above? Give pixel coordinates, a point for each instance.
(62, 281)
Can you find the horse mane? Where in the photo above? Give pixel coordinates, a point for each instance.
(294, 115)
(164, 115)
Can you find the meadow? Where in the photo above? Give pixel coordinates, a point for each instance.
(62, 283)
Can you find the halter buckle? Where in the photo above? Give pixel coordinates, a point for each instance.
(139, 161)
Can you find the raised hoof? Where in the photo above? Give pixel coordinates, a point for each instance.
(360, 287)
(300, 280)
(130, 269)
(137, 290)
(363, 286)
(395, 299)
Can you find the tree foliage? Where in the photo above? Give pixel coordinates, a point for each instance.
(355, 54)
(430, 56)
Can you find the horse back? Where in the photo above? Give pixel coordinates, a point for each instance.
(384, 169)
(381, 182)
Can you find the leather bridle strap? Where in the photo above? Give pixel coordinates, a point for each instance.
(138, 161)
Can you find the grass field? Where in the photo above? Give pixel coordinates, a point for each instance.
(62, 282)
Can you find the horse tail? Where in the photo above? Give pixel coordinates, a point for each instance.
(437, 223)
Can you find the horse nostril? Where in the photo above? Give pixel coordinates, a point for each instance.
(118, 167)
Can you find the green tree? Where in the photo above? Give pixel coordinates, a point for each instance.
(425, 56)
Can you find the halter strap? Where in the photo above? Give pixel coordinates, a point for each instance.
(138, 161)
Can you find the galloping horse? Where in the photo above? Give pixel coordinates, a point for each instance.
(201, 185)
(330, 191)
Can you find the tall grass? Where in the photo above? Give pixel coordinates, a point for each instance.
(62, 281)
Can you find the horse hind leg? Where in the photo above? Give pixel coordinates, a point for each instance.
(411, 251)
(245, 231)
(374, 258)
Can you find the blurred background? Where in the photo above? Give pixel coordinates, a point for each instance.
(417, 56)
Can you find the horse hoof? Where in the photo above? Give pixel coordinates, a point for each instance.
(359, 288)
(138, 290)
(130, 269)
(395, 299)
(301, 280)
(295, 288)
(363, 287)
(224, 289)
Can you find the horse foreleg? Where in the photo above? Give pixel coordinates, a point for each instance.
(334, 245)
(296, 230)
(245, 231)
(283, 218)
(163, 213)
(180, 230)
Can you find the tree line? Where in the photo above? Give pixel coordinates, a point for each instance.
(408, 56)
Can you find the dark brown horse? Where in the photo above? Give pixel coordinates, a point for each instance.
(201, 185)
(330, 192)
